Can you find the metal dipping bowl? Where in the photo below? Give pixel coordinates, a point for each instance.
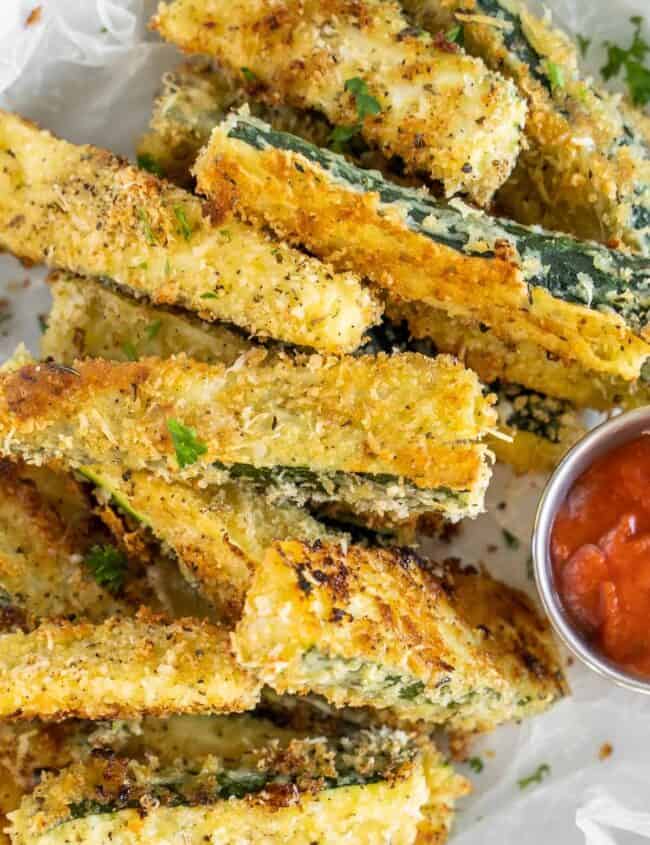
(600, 440)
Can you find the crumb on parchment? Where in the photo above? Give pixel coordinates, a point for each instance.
(605, 751)
(34, 16)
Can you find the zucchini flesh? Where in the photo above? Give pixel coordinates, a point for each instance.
(440, 111)
(83, 210)
(576, 299)
(313, 624)
(218, 536)
(283, 418)
(322, 790)
(587, 166)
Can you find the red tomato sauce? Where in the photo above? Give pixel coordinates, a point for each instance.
(600, 548)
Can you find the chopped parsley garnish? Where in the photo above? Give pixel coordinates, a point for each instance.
(340, 135)
(146, 226)
(475, 764)
(583, 44)
(248, 74)
(130, 351)
(631, 60)
(209, 295)
(188, 447)
(454, 35)
(226, 233)
(366, 104)
(185, 228)
(42, 323)
(153, 329)
(148, 162)
(511, 541)
(108, 566)
(537, 776)
(555, 74)
(141, 266)
(412, 691)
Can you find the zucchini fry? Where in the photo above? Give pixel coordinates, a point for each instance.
(313, 429)
(362, 66)
(577, 300)
(341, 624)
(81, 209)
(194, 98)
(218, 536)
(375, 786)
(586, 167)
(524, 363)
(88, 320)
(121, 668)
(41, 551)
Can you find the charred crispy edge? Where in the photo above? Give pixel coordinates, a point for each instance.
(520, 659)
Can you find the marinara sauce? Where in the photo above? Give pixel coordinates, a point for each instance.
(600, 548)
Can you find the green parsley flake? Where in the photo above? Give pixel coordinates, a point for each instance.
(226, 233)
(209, 295)
(555, 74)
(454, 34)
(130, 351)
(537, 776)
(147, 162)
(188, 447)
(248, 74)
(152, 329)
(340, 135)
(475, 764)
(366, 104)
(42, 323)
(583, 44)
(146, 225)
(108, 566)
(632, 60)
(511, 541)
(186, 229)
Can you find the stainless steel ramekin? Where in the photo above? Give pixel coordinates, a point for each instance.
(605, 437)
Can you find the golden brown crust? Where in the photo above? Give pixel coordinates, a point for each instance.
(102, 412)
(81, 209)
(121, 668)
(376, 628)
(441, 112)
(306, 204)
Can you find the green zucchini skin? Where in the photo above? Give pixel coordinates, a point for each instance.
(514, 38)
(557, 263)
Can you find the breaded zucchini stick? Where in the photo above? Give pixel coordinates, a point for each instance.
(194, 97)
(586, 167)
(374, 787)
(310, 429)
(89, 320)
(375, 628)
(364, 68)
(81, 209)
(218, 536)
(121, 668)
(41, 553)
(575, 299)
(525, 363)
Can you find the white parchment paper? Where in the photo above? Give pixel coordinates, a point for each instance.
(88, 70)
